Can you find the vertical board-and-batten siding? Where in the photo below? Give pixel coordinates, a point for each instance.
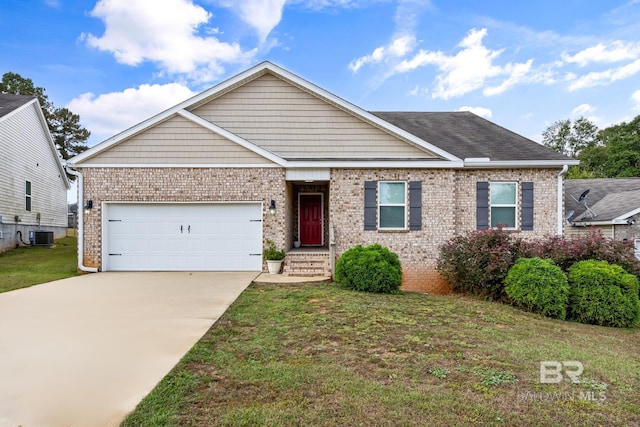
(27, 156)
(292, 123)
(178, 141)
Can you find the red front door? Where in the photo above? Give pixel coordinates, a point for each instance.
(311, 219)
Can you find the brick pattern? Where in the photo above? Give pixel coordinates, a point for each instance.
(184, 185)
(448, 209)
(307, 264)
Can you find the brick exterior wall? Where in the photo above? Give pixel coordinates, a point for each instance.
(184, 185)
(448, 209)
(448, 206)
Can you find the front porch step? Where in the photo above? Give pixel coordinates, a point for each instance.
(307, 264)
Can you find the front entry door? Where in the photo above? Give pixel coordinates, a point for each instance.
(311, 219)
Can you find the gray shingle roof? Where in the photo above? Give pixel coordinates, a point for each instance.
(467, 135)
(609, 198)
(10, 102)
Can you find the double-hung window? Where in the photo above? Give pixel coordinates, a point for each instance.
(27, 197)
(392, 205)
(504, 204)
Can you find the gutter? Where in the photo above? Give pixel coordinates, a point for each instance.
(561, 199)
(81, 266)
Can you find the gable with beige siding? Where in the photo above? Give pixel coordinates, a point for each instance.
(294, 124)
(178, 141)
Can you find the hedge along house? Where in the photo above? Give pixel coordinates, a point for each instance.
(268, 155)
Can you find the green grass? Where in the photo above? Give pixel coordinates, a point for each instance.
(28, 266)
(318, 355)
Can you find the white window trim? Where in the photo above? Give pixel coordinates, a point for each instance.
(502, 205)
(404, 205)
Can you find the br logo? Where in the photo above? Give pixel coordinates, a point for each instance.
(553, 372)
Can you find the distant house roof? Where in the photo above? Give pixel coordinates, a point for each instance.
(609, 198)
(10, 102)
(466, 135)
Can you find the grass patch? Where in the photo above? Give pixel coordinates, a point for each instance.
(320, 355)
(27, 266)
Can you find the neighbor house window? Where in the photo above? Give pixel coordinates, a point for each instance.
(392, 205)
(503, 204)
(27, 199)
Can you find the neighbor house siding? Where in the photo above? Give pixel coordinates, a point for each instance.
(27, 155)
(183, 185)
(292, 123)
(178, 141)
(448, 209)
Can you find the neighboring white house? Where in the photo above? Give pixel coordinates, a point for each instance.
(33, 183)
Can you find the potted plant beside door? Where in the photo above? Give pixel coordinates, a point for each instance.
(273, 256)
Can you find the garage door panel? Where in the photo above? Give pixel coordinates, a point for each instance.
(175, 237)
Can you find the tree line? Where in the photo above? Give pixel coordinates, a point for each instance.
(613, 152)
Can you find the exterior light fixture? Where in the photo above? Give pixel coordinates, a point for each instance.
(88, 207)
(272, 207)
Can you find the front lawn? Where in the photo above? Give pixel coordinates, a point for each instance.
(27, 266)
(318, 355)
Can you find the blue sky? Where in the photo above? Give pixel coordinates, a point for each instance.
(522, 65)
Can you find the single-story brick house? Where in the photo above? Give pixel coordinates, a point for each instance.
(269, 155)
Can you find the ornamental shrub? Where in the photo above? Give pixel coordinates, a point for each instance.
(538, 285)
(371, 269)
(478, 262)
(603, 294)
(593, 245)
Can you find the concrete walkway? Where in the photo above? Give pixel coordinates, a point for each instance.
(84, 351)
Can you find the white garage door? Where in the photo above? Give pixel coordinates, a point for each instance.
(183, 237)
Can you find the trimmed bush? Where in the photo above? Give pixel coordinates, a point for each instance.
(478, 262)
(371, 269)
(603, 294)
(538, 285)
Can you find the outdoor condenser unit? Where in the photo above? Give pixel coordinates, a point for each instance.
(41, 238)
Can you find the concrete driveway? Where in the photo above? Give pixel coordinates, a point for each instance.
(84, 351)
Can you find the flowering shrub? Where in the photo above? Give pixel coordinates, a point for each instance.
(478, 262)
(603, 294)
(594, 245)
(539, 286)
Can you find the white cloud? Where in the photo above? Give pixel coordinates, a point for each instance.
(261, 15)
(478, 111)
(614, 52)
(398, 48)
(110, 113)
(469, 69)
(601, 78)
(583, 110)
(166, 33)
(635, 98)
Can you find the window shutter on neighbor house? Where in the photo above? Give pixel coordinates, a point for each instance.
(415, 205)
(370, 205)
(482, 205)
(527, 205)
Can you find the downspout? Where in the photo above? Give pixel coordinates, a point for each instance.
(561, 199)
(81, 266)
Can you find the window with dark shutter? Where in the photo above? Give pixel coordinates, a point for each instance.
(482, 205)
(527, 205)
(415, 205)
(370, 205)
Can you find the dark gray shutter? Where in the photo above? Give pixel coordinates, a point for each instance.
(482, 205)
(527, 206)
(370, 205)
(415, 205)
